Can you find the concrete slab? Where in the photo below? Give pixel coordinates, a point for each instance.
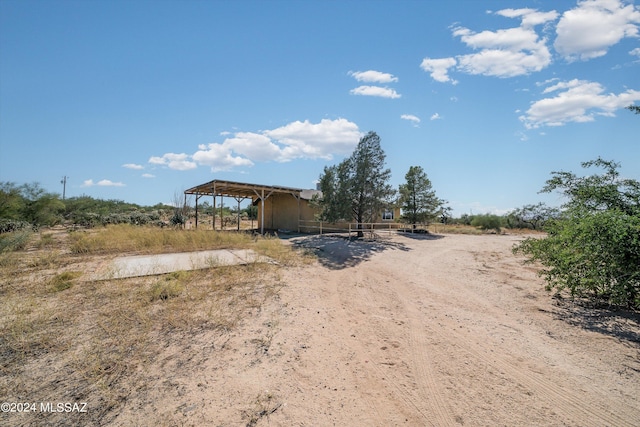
(148, 265)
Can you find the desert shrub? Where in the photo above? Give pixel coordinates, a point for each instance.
(177, 219)
(9, 225)
(229, 220)
(593, 255)
(169, 286)
(487, 222)
(593, 248)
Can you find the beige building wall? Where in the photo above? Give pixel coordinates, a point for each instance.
(282, 211)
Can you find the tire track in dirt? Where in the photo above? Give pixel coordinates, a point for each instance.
(563, 400)
(427, 399)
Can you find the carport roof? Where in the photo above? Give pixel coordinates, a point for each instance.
(239, 189)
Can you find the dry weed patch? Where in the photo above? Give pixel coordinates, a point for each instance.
(64, 339)
(147, 240)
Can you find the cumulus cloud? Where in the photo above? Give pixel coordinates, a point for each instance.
(319, 140)
(635, 52)
(588, 30)
(439, 68)
(503, 53)
(372, 76)
(296, 140)
(148, 175)
(435, 116)
(575, 101)
(530, 17)
(383, 92)
(411, 118)
(133, 166)
(174, 161)
(102, 183)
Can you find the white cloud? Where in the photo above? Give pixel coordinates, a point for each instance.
(219, 157)
(372, 76)
(295, 140)
(530, 17)
(588, 30)
(436, 116)
(320, 140)
(133, 166)
(439, 68)
(102, 183)
(575, 101)
(174, 161)
(411, 118)
(635, 52)
(503, 53)
(148, 175)
(383, 92)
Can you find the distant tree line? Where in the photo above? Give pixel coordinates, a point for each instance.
(29, 206)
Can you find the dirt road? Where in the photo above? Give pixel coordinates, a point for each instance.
(416, 331)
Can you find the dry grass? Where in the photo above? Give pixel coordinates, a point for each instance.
(64, 339)
(153, 240)
(469, 229)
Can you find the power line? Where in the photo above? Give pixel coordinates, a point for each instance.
(64, 186)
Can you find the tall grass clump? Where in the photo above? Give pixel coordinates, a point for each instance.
(15, 240)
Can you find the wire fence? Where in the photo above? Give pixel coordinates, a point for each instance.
(369, 229)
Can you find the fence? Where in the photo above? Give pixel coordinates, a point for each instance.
(367, 228)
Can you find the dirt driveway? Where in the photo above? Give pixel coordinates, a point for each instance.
(416, 331)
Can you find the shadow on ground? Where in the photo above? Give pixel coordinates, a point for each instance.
(420, 235)
(621, 324)
(337, 251)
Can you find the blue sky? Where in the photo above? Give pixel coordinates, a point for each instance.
(140, 100)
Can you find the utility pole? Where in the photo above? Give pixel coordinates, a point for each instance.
(64, 186)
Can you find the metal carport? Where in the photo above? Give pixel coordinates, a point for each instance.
(240, 191)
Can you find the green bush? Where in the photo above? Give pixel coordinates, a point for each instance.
(10, 225)
(487, 222)
(593, 248)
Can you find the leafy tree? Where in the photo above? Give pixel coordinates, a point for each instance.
(11, 201)
(418, 199)
(634, 108)
(531, 216)
(357, 188)
(593, 247)
(31, 203)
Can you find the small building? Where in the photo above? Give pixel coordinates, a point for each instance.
(279, 208)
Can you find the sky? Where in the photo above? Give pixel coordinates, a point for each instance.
(140, 100)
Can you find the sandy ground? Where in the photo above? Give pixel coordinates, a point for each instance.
(405, 330)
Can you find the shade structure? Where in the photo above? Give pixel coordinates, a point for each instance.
(258, 193)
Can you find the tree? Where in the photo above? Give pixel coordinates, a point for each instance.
(11, 201)
(531, 216)
(31, 203)
(593, 247)
(357, 188)
(634, 108)
(418, 199)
